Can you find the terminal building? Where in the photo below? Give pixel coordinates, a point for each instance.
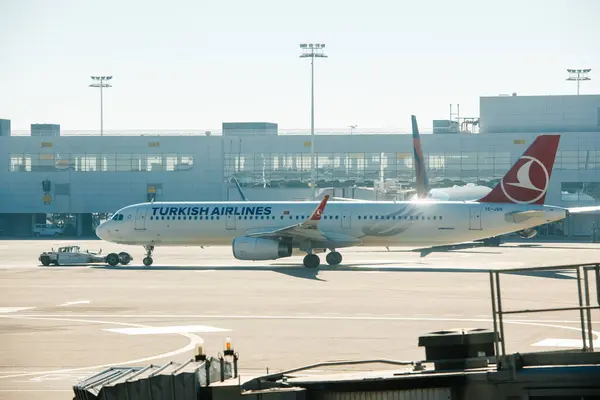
(81, 178)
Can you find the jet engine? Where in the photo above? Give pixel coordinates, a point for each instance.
(528, 233)
(245, 248)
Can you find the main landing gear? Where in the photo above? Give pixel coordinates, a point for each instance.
(148, 259)
(313, 260)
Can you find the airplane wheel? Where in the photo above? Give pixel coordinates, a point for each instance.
(312, 261)
(112, 259)
(147, 261)
(45, 261)
(124, 258)
(334, 258)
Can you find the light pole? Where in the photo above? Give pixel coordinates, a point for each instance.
(578, 75)
(312, 50)
(352, 128)
(101, 82)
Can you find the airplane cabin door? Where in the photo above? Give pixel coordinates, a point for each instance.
(140, 219)
(346, 219)
(475, 218)
(230, 222)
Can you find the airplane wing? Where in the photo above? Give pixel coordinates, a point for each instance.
(308, 230)
(584, 210)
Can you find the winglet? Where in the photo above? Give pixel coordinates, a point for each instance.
(239, 188)
(316, 215)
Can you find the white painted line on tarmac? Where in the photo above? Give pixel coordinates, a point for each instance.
(356, 317)
(6, 310)
(193, 339)
(158, 330)
(72, 303)
(207, 270)
(563, 343)
(34, 390)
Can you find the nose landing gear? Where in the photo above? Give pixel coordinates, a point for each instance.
(148, 259)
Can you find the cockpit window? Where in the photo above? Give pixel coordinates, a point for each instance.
(118, 217)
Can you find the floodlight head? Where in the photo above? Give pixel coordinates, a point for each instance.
(303, 45)
(310, 45)
(108, 77)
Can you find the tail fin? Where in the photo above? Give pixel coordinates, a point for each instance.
(239, 188)
(422, 182)
(529, 178)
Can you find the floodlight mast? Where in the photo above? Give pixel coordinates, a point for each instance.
(101, 82)
(312, 50)
(578, 75)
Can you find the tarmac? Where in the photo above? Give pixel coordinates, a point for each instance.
(62, 324)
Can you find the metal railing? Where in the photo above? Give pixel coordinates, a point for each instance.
(585, 315)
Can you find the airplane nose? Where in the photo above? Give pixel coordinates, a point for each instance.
(102, 231)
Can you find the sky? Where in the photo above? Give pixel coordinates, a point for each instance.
(188, 65)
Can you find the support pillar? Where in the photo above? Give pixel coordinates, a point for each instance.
(79, 224)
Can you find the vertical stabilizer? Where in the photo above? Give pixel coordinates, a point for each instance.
(422, 183)
(528, 180)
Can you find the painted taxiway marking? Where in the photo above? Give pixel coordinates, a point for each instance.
(158, 330)
(72, 303)
(5, 310)
(563, 343)
(301, 316)
(193, 339)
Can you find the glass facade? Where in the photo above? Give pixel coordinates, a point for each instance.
(341, 169)
(105, 162)
(293, 169)
(580, 192)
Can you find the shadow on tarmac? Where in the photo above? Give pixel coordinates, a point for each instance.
(295, 271)
(546, 246)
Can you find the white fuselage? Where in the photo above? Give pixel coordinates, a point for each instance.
(411, 224)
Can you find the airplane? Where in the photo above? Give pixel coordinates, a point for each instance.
(424, 191)
(273, 230)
